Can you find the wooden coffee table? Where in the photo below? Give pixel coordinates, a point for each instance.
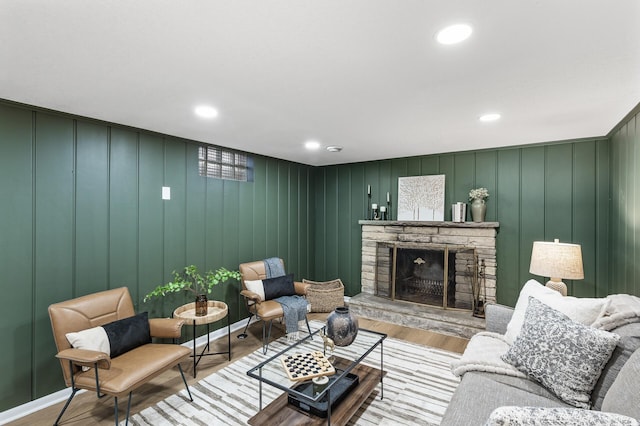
(346, 360)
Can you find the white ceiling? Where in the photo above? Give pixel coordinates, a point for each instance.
(366, 75)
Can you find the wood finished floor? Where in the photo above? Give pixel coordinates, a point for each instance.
(86, 409)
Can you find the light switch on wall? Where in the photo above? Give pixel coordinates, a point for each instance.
(166, 192)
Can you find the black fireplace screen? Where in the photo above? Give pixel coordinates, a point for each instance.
(420, 277)
(437, 276)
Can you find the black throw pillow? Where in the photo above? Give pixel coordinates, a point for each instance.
(278, 286)
(128, 333)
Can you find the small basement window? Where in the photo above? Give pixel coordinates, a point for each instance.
(222, 163)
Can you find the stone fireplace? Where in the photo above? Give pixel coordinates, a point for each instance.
(432, 275)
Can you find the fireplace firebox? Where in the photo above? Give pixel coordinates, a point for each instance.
(445, 276)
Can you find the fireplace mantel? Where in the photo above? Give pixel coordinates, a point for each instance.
(436, 224)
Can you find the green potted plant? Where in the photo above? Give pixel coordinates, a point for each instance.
(190, 279)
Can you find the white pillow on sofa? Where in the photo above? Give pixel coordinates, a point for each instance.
(622, 396)
(580, 309)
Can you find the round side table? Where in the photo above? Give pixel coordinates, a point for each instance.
(215, 311)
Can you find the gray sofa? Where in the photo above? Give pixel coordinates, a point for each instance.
(480, 393)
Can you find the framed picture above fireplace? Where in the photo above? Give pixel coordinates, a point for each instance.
(421, 198)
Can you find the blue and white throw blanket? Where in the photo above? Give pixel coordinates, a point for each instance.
(274, 267)
(295, 307)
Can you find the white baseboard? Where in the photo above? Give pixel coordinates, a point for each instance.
(30, 407)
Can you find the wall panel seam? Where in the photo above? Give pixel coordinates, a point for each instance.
(108, 196)
(74, 213)
(34, 165)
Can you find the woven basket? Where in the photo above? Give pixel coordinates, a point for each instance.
(325, 296)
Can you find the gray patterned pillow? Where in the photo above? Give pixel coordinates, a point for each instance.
(543, 416)
(566, 357)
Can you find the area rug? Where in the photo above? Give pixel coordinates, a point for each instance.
(417, 388)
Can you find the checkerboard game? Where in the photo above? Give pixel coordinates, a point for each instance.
(306, 366)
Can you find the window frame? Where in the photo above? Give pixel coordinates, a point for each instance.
(223, 163)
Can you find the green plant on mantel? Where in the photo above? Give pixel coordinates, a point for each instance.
(189, 279)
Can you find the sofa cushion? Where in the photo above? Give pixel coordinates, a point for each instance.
(134, 368)
(544, 416)
(478, 394)
(531, 387)
(563, 355)
(622, 396)
(629, 342)
(497, 317)
(582, 310)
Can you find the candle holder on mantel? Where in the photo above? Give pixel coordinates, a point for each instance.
(368, 213)
(388, 209)
(374, 209)
(383, 213)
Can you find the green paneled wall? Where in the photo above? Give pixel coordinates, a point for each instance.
(81, 212)
(625, 206)
(16, 255)
(537, 193)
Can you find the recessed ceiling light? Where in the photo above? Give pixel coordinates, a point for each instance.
(334, 148)
(206, 111)
(454, 34)
(312, 145)
(489, 117)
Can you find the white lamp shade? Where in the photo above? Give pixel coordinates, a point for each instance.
(557, 260)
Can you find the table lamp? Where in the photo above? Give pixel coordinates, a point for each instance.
(557, 260)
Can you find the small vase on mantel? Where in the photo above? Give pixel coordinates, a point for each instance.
(478, 210)
(342, 326)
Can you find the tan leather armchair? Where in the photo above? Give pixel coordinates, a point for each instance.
(265, 310)
(124, 373)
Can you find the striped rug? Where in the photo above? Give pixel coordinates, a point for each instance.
(417, 388)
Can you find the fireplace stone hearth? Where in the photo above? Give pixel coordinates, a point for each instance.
(445, 321)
